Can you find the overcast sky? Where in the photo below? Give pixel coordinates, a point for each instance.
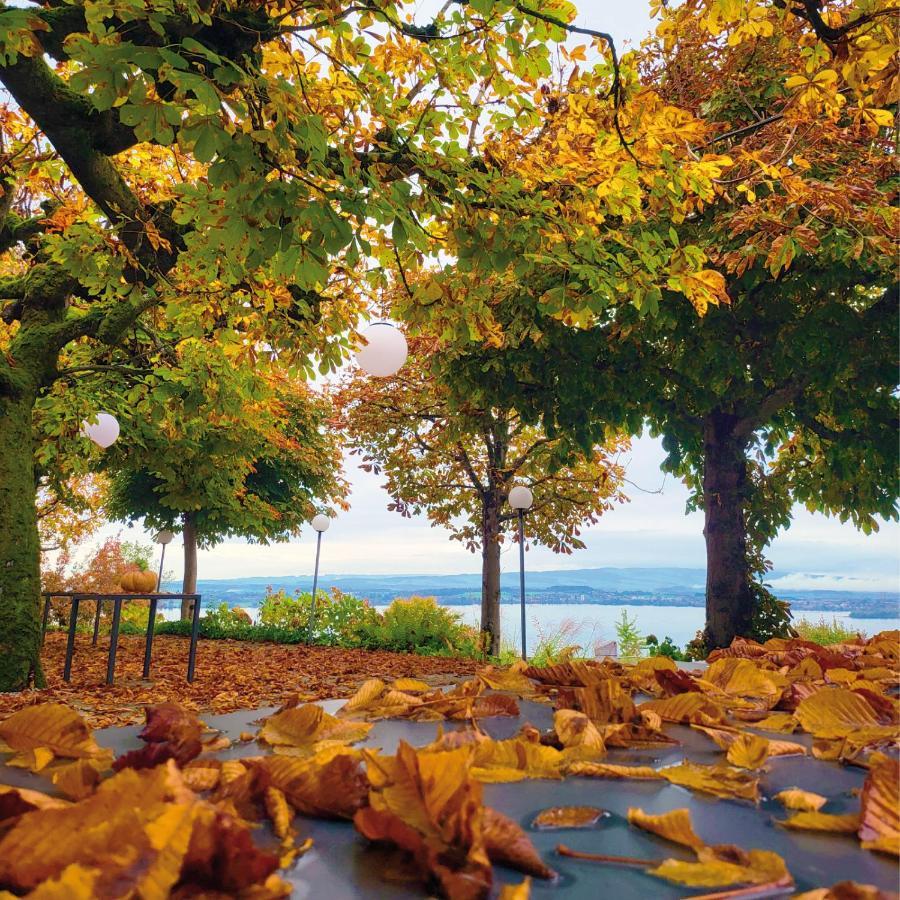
(651, 530)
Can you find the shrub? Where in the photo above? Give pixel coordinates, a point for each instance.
(667, 648)
(628, 638)
(771, 616)
(340, 617)
(824, 632)
(555, 646)
(419, 625)
(225, 617)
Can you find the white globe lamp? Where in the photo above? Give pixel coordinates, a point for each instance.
(520, 497)
(385, 350)
(102, 429)
(320, 523)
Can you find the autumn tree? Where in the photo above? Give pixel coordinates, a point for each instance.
(242, 169)
(456, 461)
(784, 391)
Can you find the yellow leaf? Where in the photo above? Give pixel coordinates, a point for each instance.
(674, 826)
(410, 685)
(685, 708)
(762, 867)
(844, 823)
(368, 692)
(54, 727)
(567, 817)
(805, 801)
(306, 727)
(748, 751)
(34, 760)
(879, 810)
(516, 891)
(575, 729)
(834, 713)
(76, 780)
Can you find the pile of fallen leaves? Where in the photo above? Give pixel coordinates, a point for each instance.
(172, 819)
(230, 675)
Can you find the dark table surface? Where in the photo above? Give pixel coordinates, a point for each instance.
(342, 865)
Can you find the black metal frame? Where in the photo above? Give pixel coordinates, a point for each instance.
(77, 596)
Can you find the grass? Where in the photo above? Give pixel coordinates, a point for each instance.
(824, 632)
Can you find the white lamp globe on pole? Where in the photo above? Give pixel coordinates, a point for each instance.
(520, 498)
(163, 538)
(384, 351)
(102, 429)
(320, 523)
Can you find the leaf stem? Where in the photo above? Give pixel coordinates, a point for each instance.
(563, 850)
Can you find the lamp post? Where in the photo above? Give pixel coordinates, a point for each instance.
(384, 351)
(520, 499)
(320, 523)
(163, 538)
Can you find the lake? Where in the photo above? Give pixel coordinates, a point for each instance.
(585, 624)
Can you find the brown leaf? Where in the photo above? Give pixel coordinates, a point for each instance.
(331, 785)
(77, 779)
(515, 760)
(685, 708)
(846, 890)
(15, 801)
(567, 817)
(576, 731)
(429, 805)
(52, 726)
(879, 827)
(171, 732)
(35, 759)
(508, 845)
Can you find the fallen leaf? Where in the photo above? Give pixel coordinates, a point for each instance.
(35, 760)
(761, 867)
(508, 845)
(879, 827)
(674, 826)
(846, 890)
(685, 708)
(331, 785)
(516, 891)
(171, 732)
(844, 823)
(309, 728)
(516, 759)
(410, 685)
(804, 801)
(54, 727)
(77, 779)
(835, 713)
(576, 730)
(15, 801)
(567, 817)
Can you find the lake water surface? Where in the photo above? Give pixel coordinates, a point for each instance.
(587, 623)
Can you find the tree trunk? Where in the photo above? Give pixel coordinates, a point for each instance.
(729, 600)
(490, 574)
(20, 570)
(189, 582)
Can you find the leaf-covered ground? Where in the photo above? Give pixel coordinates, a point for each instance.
(230, 675)
(176, 817)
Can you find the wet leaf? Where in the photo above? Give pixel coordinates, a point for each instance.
(54, 727)
(516, 891)
(309, 728)
(515, 760)
(846, 890)
(835, 713)
(879, 827)
(743, 678)
(576, 730)
(410, 685)
(674, 826)
(762, 867)
(77, 779)
(429, 805)
(843, 823)
(567, 817)
(508, 845)
(685, 708)
(332, 784)
(171, 732)
(34, 760)
(15, 801)
(804, 801)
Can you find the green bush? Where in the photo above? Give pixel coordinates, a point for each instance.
(224, 616)
(667, 648)
(339, 618)
(630, 643)
(824, 632)
(418, 625)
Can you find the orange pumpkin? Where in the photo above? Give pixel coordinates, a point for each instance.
(138, 582)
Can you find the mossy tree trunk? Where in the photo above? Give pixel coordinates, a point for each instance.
(20, 574)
